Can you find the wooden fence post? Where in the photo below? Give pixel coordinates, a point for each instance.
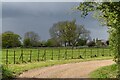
(85, 53)
(103, 52)
(66, 54)
(22, 55)
(7, 57)
(14, 57)
(91, 53)
(44, 55)
(72, 53)
(59, 55)
(80, 54)
(52, 55)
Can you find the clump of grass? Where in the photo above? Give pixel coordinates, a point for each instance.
(105, 72)
(6, 72)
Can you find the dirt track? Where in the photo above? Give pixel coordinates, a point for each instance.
(71, 70)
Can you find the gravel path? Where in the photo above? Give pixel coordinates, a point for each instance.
(70, 70)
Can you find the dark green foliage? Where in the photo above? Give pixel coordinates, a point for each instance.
(107, 42)
(91, 44)
(6, 73)
(10, 39)
(31, 39)
(43, 44)
(108, 13)
(81, 42)
(27, 42)
(52, 43)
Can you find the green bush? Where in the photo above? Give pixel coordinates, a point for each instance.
(6, 73)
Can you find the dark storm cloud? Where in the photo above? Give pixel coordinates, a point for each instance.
(35, 9)
(39, 17)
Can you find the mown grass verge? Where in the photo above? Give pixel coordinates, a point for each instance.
(105, 72)
(13, 70)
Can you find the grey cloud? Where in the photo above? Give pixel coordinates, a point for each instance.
(35, 9)
(39, 17)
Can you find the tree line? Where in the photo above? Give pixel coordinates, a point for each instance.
(63, 33)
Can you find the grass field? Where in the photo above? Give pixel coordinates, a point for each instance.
(17, 56)
(20, 60)
(105, 72)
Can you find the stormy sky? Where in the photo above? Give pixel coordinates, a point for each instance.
(21, 17)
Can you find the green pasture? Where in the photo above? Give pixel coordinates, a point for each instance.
(18, 56)
(42, 57)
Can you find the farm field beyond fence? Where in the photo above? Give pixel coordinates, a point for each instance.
(17, 56)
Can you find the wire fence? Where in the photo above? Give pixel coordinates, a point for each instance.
(17, 56)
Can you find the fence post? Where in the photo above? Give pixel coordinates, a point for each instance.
(59, 55)
(44, 55)
(22, 55)
(7, 57)
(72, 53)
(52, 55)
(14, 57)
(103, 52)
(38, 55)
(85, 52)
(91, 53)
(66, 54)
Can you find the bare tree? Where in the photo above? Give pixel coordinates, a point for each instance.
(31, 39)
